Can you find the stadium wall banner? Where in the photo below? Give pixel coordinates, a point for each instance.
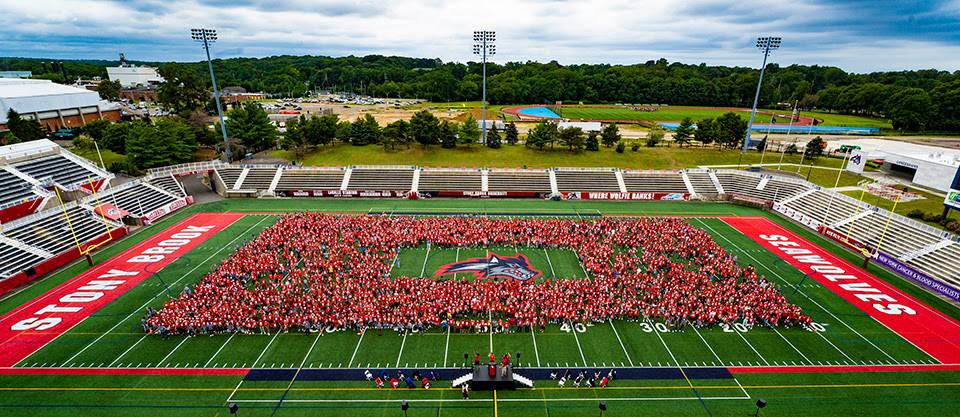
(167, 209)
(110, 211)
(857, 161)
(953, 199)
(36, 323)
(340, 193)
(482, 194)
(916, 276)
(797, 216)
(626, 196)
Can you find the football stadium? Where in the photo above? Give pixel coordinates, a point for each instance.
(382, 235)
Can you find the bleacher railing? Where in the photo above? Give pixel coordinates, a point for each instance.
(187, 167)
(386, 167)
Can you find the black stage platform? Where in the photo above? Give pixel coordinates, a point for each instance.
(502, 378)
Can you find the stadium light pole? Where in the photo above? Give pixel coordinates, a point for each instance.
(765, 44)
(208, 36)
(484, 46)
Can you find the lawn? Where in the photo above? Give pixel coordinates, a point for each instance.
(600, 345)
(109, 157)
(677, 113)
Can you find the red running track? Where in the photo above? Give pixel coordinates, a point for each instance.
(31, 326)
(924, 327)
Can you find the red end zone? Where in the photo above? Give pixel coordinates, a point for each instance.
(29, 327)
(928, 329)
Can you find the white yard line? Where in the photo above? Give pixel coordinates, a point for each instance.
(427, 256)
(535, 350)
(549, 262)
(791, 345)
(621, 342)
(446, 347)
(751, 347)
(758, 263)
(354, 355)
(404, 342)
(218, 350)
(708, 345)
(577, 338)
(490, 400)
(127, 351)
(175, 348)
(835, 347)
(264, 351)
(140, 309)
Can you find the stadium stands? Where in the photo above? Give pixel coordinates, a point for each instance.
(14, 259)
(381, 179)
(257, 179)
(139, 199)
(450, 180)
(654, 181)
(587, 180)
(14, 189)
(702, 183)
(63, 171)
(50, 232)
(169, 184)
(519, 181)
(310, 179)
(228, 176)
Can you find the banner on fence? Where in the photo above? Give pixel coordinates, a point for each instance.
(167, 209)
(797, 216)
(908, 272)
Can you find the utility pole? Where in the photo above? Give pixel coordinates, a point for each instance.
(766, 44)
(208, 36)
(483, 46)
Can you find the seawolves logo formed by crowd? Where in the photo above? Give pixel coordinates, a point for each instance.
(493, 266)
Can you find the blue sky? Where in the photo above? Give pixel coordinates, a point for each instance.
(856, 35)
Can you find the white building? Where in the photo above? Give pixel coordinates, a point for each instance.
(133, 76)
(53, 105)
(585, 126)
(927, 166)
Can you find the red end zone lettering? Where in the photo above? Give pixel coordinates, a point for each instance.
(29, 327)
(926, 328)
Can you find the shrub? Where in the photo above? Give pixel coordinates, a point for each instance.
(915, 214)
(635, 147)
(620, 147)
(953, 226)
(932, 217)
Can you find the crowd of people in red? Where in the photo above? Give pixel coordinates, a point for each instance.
(314, 271)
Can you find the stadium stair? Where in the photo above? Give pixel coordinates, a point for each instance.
(485, 180)
(523, 380)
(416, 181)
(275, 181)
(243, 176)
(763, 183)
(716, 182)
(909, 256)
(853, 218)
(553, 182)
(346, 179)
(464, 379)
(686, 181)
(623, 186)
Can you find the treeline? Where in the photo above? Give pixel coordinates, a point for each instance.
(920, 100)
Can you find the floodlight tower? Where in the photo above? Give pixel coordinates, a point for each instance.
(208, 36)
(765, 44)
(483, 46)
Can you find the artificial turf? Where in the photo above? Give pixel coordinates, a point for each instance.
(112, 337)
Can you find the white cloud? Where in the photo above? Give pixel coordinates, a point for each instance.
(610, 31)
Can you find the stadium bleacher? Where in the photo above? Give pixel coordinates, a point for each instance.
(228, 176)
(257, 179)
(139, 199)
(13, 188)
(587, 181)
(50, 231)
(381, 179)
(310, 179)
(521, 181)
(169, 184)
(702, 183)
(14, 259)
(450, 180)
(654, 182)
(61, 169)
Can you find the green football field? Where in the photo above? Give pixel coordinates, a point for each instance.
(113, 338)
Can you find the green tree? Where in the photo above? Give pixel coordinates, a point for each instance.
(322, 130)
(365, 131)
(469, 132)
(169, 141)
(610, 135)
(910, 109)
(731, 129)
(396, 133)
(251, 126)
(543, 134)
(109, 90)
(448, 135)
(493, 137)
(815, 147)
(511, 133)
(182, 90)
(96, 129)
(655, 136)
(425, 128)
(621, 147)
(706, 132)
(114, 137)
(294, 138)
(572, 138)
(343, 131)
(25, 130)
(592, 143)
(7, 138)
(762, 145)
(684, 132)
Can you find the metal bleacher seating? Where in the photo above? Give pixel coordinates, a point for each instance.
(61, 169)
(597, 181)
(51, 232)
(169, 184)
(228, 175)
(535, 181)
(139, 199)
(14, 259)
(13, 188)
(308, 179)
(379, 179)
(654, 182)
(702, 183)
(258, 179)
(450, 180)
